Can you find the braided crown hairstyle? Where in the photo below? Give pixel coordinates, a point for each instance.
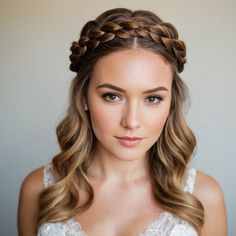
(115, 30)
(108, 29)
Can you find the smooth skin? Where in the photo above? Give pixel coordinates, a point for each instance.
(119, 174)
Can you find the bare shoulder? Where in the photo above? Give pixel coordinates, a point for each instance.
(30, 190)
(207, 188)
(210, 193)
(33, 183)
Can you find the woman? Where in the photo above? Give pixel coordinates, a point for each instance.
(125, 146)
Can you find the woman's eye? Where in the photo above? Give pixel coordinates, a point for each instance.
(110, 97)
(154, 99)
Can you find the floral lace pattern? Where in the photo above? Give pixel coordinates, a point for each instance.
(189, 185)
(70, 228)
(48, 178)
(166, 225)
(169, 225)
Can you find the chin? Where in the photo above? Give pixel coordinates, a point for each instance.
(129, 155)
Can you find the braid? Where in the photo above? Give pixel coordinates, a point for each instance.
(163, 34)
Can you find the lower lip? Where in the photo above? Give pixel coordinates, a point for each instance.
(129, 143)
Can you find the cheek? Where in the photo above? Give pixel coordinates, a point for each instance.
(156, 121)
(102, 118)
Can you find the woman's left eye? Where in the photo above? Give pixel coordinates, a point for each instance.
(154, 99)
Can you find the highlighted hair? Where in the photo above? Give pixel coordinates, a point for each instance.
(116, 30)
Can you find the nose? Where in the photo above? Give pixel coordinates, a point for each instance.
(131, 116)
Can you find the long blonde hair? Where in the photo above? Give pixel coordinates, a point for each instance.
(115, 30)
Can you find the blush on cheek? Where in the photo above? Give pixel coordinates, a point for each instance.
(156, 123)
(102, 119)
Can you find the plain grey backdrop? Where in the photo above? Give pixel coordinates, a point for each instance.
(35, 37)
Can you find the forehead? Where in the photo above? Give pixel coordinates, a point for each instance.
(133, 68)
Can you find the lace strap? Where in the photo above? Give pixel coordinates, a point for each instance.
(189, 186)
(48, 178)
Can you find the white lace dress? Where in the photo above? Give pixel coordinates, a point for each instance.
(166, 225)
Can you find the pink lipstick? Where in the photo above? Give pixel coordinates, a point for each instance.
(129, 141)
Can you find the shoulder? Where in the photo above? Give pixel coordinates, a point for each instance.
(210, 193)
(207, 189)
(33, 182)
(30, 191)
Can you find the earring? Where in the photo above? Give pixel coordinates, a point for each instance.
(85, 107)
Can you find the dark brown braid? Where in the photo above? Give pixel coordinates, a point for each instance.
(163, 34)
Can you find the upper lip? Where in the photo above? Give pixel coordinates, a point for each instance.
(130, 138)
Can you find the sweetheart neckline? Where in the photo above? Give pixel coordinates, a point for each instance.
(73, 226)
(157, 221)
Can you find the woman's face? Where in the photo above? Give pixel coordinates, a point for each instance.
(129, 95)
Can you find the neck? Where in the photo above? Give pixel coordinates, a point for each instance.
(106, 167)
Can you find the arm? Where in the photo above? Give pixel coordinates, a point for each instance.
(211, 195)
(28, 203)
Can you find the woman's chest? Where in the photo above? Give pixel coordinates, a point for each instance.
(116, 222)
(119, 213)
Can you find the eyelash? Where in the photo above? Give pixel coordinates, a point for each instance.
(156, 97)
(105, 95)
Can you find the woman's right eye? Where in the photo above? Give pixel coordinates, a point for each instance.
(110, 97)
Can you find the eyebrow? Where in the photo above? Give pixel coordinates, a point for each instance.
(111, 86)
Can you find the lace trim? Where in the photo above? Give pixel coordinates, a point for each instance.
(160, 226)
(170, 225)
(189, 185)
(183, 228)
(167, 224)
(48, 178)
(69, 228)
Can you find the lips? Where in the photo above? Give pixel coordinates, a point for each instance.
(129, 138)
(129, 141)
